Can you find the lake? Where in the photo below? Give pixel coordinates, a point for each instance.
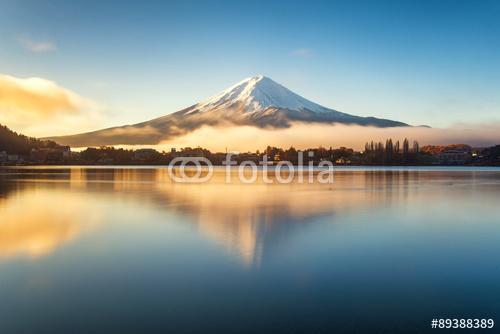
(119, 250)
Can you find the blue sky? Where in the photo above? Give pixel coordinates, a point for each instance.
(421, 62)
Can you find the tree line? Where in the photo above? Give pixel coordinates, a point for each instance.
(394, 152)
(374, 153)
(14, 143)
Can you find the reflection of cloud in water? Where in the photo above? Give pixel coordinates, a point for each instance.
(34, 223)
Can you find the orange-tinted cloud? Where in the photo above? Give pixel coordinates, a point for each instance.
(35, 96)
(33, 105)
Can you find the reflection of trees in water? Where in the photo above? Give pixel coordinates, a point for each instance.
(13, 180)
(6, 188)
(390, 185)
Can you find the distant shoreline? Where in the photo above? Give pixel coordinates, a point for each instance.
(236, 166)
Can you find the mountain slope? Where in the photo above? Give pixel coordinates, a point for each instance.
(256, 101)
(14, 143)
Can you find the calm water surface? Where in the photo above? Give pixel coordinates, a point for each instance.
(102, 250)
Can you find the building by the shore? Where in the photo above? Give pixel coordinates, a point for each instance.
(3, 156)
(457, 156)
(50, 155)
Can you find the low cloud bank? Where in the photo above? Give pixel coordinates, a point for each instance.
(301, 135)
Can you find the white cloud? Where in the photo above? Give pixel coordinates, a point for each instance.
(302, 52)
(99, 84)
(41, 46)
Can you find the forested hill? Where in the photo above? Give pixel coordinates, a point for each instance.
(14, 143)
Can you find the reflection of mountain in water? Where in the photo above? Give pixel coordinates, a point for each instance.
(248, 219)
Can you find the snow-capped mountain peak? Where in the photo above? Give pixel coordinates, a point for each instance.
(256, 101)
(256, 94)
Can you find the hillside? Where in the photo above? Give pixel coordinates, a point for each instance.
(14, 143)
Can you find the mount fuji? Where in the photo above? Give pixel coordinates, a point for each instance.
(257, 101)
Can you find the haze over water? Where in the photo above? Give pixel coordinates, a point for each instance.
(100, 250)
